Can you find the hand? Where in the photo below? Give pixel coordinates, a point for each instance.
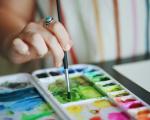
(35, 41)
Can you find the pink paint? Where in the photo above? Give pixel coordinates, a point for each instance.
(124, 101)
(118, 116)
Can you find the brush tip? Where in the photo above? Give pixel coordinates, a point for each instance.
(69, 95)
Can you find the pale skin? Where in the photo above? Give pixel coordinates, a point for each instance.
(22, 40)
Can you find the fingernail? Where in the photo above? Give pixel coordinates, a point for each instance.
(67, 47)
(24, 51)
(20, 48)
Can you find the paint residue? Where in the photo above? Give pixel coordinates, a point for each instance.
(118, 116)
(80, 89)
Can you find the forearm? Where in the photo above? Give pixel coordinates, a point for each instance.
(10, 26)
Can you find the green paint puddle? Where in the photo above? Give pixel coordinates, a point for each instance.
(112, 88)
(81, 89)
(36, 116)
(44, 110)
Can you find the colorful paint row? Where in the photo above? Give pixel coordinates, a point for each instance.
(91, 85)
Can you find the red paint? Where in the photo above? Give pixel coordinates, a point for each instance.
(96, 118)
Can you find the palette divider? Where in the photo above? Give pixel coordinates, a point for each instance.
(102, 91)
(51, 100)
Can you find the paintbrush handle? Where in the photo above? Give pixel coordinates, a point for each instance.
(59, 10)
(65, 60)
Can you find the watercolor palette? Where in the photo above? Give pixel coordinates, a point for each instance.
(19, 100)
(95, 95)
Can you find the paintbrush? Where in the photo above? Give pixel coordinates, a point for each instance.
(65, 59)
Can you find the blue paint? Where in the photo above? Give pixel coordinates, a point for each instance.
(2, 107)
(29, 100)
(80, 69)
(18, 94)
(7, 118)
(71, 71)
(26, 104)
(89, 70)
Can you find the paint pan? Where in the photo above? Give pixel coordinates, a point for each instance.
(55, 73)
(81, 89)
(94, 109)
(71, 71)
(80, 69)
(143, 115)
(124, 99)
(131, 104)
(100, 78)
(112, 87)
(89, 70)
(42, 75)
(119, 93)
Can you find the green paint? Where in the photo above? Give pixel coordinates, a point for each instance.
(125, 93)
(89, 92)
(81, 89)
(100, 78)
(44, 110)
(112, 88)
(36, 116)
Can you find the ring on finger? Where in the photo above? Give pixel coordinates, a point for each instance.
(48, 20)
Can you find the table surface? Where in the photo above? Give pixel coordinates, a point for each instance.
(137, 90)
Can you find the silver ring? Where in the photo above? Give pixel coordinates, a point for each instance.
(48, 20)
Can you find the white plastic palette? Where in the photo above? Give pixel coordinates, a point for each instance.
(112, 92)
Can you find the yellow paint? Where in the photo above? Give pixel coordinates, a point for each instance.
(102, 104)
(74, 109)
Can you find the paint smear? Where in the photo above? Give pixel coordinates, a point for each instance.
(23, 102)
(143, 115)
(55, 73)
(118, 116)
(102, 103)
(112, 88)
(80, 89)
(131, 104)
(42, 75)
(96, 118)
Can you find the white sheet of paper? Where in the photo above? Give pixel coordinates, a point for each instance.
(138, 72)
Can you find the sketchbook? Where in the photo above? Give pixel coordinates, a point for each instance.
(137, 72)
(95, 95)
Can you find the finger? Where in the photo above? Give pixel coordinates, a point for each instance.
(39, 44)
(52, 43)
(36, 41)
(50, 40)
(18, 58)
(61, 34)
(56, 50)
(20, 46)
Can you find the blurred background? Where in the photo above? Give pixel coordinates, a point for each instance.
(101, 30)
